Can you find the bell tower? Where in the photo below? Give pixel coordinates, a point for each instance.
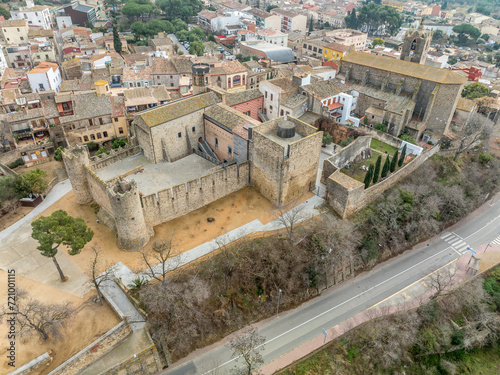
(416, 45)
(200, 77)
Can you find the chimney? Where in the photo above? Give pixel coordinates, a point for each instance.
(223, 97)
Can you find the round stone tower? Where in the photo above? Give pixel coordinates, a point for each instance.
(200, 77)
(131, 228)
(75, 160)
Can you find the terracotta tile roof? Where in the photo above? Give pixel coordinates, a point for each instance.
(322, 89)
(465, 104)
(232, 67)
(162, 66)
(44, 67)
(293, 101)
(259, 13)
(424, 72)
(242, 97)
(13, 23)
(117, 106)
(284, 12)
(223, 115)
(139, 96)
(160, 93)
(183, 66)
(286, 85)
(131, 74)
(171, 111)
(337, 47)
(70, 85)
(88, 105)
(208, 14)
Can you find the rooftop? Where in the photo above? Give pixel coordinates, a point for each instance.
(242, 96)
(424, 72)
(156, 177)
(44, 67)
(337, 47)
(465, 104)
(13, 23)
(171, 111)
(285, 84)
(228, 117)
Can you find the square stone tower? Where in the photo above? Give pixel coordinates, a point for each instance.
(284, 158)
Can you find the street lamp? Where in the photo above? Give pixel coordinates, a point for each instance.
(278, 307)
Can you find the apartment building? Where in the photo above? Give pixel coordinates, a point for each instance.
(291, 21)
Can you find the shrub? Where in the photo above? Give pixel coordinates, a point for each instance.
(380, 127)
(485, 158)
(327, 139)
(117, 143)
(92, 146)
(407, 138)
(346, 141)
(102, 150)
(16, 163)
(58, 154)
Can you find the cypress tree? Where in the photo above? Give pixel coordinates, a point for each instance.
(368, 177)
(394, 162)
(385, 169)
(402, 157)
(116, 40)
(376, 173)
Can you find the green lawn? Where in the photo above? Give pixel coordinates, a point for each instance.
(382, 147)
(359, 174)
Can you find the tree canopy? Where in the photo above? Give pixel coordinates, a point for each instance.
(180, 9)
(372, 18)
(138, 9)
(466, 34)
(475, 90)
(32, 183)
(196, 48)
(151, 28)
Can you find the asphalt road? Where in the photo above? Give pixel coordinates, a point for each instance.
(174, 40)
(296, 327)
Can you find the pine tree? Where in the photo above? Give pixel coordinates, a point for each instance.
(376, 173)
(116, 40)
(385, 169)
(368, 177)
(394, 162)
(311, 27)
(402, 157)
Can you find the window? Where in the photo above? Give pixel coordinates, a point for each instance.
(193, 129)
(85, 138)
(105, 134)
(116, 119)
(41, 87)
(270, 108)
(18, 29)
(171, 85)
(100, 121)
(179, 135)
(247, 113)
(99, 136)
(22, 38)
(266, 94)
(92, 137)
(216, 142)
(90, 122)
(271, 97)
(120, 130)
(281, 114)
(229, 150)
(65, 106)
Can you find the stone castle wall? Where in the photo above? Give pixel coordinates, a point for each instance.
(181, 199)
(98, 190)
(382, 136)
(347, 195)
(102, 161)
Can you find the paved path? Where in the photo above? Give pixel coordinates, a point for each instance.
(19, 251)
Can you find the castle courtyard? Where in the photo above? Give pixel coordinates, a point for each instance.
(151, 178)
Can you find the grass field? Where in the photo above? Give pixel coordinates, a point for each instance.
(382, 147)
(355, 170)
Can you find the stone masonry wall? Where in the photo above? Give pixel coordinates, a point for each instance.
(99, 347)
(102, 161)
(266, 166)
(301, 167)
(381, 136)
(346, 198)
(9, 157)
(98, 190)
(181, 199)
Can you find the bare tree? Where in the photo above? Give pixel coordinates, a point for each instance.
(159, 260)
(32, 315)
(93, 271)
(290, 219)
(478, 127)
(249, 347)
(441, 281)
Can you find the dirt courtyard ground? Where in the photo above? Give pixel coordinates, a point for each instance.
(187, 231)
(90, 322)
(49, 167)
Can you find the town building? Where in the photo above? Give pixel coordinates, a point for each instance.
(35, 16)
(46, 76)
(14, 32)
(291, 21)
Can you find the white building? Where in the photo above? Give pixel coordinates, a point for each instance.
(291, 21)
(3, 63)
(34, 15)
(274, 37)
(45, 77)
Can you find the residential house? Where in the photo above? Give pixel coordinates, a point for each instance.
(335, 51)
(266, 20)
(14, 32)
(19, 57)
(348, 37)
(35, 16)
(275, 91)
(248, 102)
(291, 21)
(45, 77)
(134, 77)
(273, 37)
